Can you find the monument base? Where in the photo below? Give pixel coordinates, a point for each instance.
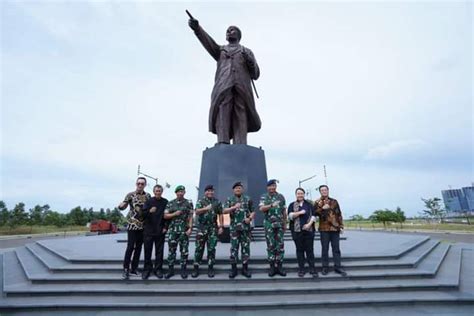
(223, 165)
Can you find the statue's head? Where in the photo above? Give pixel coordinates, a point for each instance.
(233, 34)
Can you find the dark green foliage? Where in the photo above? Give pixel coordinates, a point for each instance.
(44, 216)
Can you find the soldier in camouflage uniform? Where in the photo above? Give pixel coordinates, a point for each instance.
(135, 200)
(240, 208)
(179, 213)
(208, 210)
(273, 205)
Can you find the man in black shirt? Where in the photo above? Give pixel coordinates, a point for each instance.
(154, 232)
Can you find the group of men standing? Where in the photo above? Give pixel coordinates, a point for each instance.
(151, 218)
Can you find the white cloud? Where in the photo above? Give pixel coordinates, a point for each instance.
(396, 149)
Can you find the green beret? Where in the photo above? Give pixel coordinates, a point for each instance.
(179, 188)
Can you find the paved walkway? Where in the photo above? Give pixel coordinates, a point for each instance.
(446, 236)
(16, 241)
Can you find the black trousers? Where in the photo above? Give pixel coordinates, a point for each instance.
(159, 242)
(304, 242)
(134, 246)
(333, 238)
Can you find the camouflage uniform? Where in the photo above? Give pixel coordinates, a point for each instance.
(239, 230)
(207, 230)
(274, 225)
(177, 229)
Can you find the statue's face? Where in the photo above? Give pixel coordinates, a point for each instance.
(233, 34)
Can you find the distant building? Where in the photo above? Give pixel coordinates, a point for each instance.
(469, 194)
(458, 200)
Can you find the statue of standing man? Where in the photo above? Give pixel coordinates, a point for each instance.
(233, 113)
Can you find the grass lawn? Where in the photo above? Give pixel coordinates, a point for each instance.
(35, 229)
(411, 225)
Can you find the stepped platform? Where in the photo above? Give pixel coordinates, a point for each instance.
(258, 234)
(82, 275)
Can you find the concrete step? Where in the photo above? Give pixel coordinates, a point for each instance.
(199, 304)
(301, 300)
(419, 274)
(18, 284)
(58, 264)
(256, 236)
(37, 272)
(93, 258)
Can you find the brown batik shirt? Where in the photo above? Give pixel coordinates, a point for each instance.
(329, 213)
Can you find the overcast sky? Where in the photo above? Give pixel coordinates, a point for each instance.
(379, 92)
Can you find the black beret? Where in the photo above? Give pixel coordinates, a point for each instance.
(237, 184)
(209, 187)
(271, 182)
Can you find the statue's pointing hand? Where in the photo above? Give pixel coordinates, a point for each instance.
(193, 24)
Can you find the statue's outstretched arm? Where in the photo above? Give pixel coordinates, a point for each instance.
(207, 41)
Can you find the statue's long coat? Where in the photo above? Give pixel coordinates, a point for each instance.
(233, 71)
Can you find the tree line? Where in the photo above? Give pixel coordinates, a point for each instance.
(433, 211)
(383, 216)
(44, 215)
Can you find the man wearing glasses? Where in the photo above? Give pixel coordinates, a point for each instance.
(330, 228)
(135, 200)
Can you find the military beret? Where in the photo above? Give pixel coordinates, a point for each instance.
(271, 182)
(209, 187)
(179, 188)
(237, 184)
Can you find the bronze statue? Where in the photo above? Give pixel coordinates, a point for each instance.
(233, 113)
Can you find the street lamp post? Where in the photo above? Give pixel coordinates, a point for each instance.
(139, 173)
(304, 180)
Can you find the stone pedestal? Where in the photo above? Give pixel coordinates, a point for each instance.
(223, 165)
